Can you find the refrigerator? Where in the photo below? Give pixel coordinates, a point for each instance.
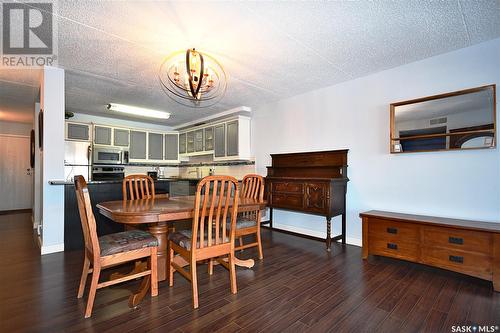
(77, 159)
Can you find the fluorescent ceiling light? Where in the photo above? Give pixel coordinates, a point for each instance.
(137, 111)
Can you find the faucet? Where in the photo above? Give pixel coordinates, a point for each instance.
(197, 171)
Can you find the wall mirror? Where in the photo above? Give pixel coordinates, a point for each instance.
(458, 120)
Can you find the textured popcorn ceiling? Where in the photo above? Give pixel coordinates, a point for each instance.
(112, 50)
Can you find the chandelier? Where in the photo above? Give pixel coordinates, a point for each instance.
(193, 78)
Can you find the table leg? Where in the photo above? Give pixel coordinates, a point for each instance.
(160, 231)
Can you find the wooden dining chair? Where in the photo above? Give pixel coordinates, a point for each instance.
(138, 187)
(248, 223)
(211, 237)
(110, 250)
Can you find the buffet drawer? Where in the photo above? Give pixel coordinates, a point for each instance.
(463, 262)
(393, 231)
(466, 240)
(292, 201)
(291, 187)
(396, 249)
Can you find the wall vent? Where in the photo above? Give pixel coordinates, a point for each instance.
(437, 121)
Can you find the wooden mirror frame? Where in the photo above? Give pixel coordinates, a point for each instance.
(393, 137)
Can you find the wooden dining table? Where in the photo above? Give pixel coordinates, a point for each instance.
(158, 215)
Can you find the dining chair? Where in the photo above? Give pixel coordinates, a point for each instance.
(110, 250)
(138, 187)
(211, 237)
(248, 223)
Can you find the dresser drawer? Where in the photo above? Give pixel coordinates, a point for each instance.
(391, 248)
(292, 187)
(393, 231)
(292, 201)
(476, 241)
(463, 262)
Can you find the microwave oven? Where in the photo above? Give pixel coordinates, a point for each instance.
(107, 155)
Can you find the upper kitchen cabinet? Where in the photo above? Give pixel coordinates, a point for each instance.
(190, 142)
(182, 143)
(102, 135)
(77, 131)
(155, 146)
(198, 140)
(209, 138)
(121, 137)
(172, 147)
(236, 138)
(226, 140)
(138, 145)
(220, 140)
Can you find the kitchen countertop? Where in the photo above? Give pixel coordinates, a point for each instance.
(93, 182)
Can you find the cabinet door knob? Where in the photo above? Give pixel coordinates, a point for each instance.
(458, 259)
(456, 240)
(392, 246)
(392, 230)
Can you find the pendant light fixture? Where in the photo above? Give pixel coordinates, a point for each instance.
(193, 78)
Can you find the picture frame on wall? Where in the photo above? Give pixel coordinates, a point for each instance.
(40, 130)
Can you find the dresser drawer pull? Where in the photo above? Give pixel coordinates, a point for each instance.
(392, 230)
(456, 240)
(458, 259)
(392, 246)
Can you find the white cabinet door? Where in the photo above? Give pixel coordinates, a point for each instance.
(137, 145)
(171, 147)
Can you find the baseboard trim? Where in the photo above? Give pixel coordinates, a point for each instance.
(309, 234)
(15, 211)
(52, 249)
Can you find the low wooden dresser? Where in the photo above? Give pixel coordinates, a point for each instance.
(311, 183)
(468, 247)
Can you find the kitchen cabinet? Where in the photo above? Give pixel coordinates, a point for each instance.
(220, 140)
(182, 143)
(77, 131)
(209, 138)
(227, 139)
(102, 135)
(155, 146)
(190, 142)
(138, 145)
(198, 140)
(172, 147)
(232, 138)
(121, 137)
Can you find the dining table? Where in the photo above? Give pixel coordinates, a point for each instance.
(158, 215)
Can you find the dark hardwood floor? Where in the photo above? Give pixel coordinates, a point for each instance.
(298, 287)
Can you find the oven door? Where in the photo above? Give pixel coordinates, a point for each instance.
(107, 156)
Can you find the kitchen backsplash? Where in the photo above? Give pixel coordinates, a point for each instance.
(237, 171)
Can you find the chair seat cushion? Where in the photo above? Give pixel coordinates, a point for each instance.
(242, 223)
(183, 239)
(126, 241)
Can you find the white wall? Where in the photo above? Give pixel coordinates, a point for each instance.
(52, 104)
(355, 115)
(14, 128)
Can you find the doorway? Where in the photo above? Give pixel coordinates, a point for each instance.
(16, 175)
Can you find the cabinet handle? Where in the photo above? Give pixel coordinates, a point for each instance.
(458, 259)
(392, 246)
(456, 240)
(392, 230)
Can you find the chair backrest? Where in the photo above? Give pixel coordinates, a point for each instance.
(87, 217)
(216, 201)
(139, 187)
(252, 186)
